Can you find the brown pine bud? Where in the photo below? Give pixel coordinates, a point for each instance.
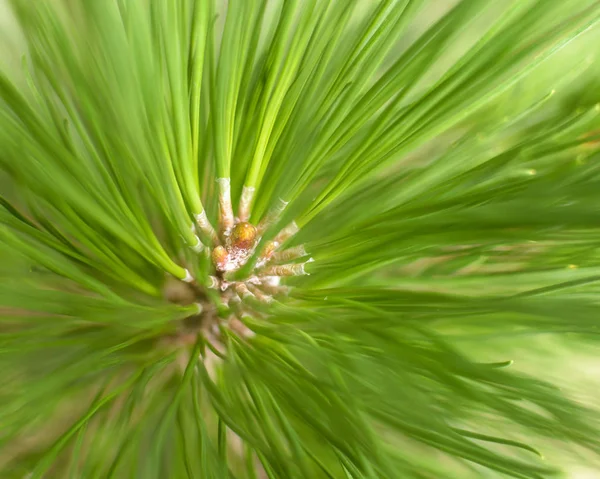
(220, 258)
(243, 236)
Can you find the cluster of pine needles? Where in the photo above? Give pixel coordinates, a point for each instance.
(282, 238)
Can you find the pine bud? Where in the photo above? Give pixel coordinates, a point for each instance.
(243, 236)
(220, 258)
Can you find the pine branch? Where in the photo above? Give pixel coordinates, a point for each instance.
(297, 239)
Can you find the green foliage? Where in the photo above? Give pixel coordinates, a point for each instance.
(440, 164)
